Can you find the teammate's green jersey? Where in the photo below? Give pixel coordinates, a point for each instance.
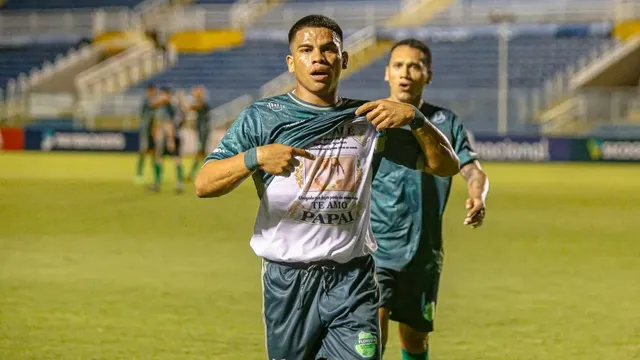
(288, 120)
(408, 205)
(147, 114)
(202, 117)
(168, 111)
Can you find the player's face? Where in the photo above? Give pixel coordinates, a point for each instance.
(151, 92)
(407, 74)
(317, 60)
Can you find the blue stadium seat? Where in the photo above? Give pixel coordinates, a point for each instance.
(229, 73)
(66, 4)
(471, 68)
(13, 61)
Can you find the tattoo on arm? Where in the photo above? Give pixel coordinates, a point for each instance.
(477, 183)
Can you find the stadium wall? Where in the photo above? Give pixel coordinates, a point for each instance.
(489, 148)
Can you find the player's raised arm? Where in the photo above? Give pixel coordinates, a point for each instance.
(240, 153)
(440, 158)
(219, 177)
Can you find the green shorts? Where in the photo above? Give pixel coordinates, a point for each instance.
(321, 311)
(146, 141)
(203, 139)
(410, 295)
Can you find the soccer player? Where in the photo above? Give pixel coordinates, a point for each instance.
(200, 105)
(408, 206)
(146, 146)
(311, 156)
(168, 137)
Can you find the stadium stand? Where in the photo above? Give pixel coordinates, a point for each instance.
(65, 4)
(348, 15)
(15, 60)
(466, 75)
(471, 66)
(228, 73)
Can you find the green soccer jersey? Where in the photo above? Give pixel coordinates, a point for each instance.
(147, 114)
(408, 205)
(202, 117)
(288, 120)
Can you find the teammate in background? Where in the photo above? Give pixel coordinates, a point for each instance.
(145, 131)
(200, 105)
(168, 137)
(320, 294)
(408, 206)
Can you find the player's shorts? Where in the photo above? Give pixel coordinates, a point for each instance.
(146, 140)
(163, 149)
(323, 311)
(410, 295)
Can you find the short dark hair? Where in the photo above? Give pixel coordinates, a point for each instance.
(151, 87)
(414, 44)
(314, 21)
(166, 89)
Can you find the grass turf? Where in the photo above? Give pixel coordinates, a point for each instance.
(92, 267)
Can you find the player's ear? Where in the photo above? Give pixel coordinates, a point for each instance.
(429, 76)
(386, 73)
(290, 65)
(345, 60)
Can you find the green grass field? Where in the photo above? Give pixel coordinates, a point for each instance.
(92, 267)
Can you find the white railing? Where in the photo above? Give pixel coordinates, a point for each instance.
(356, 42)
(526, 11)
(558, 87)
(148, 6)
(348, 15)
(244, 12)
(122, 70)
(200, 17)
(78, 22)
(627, 9)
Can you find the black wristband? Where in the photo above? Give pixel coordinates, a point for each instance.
(417, 122)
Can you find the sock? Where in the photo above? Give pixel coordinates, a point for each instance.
(194, 167)
(158, 173)
(140, 165)
(179, 173)
(408, 356)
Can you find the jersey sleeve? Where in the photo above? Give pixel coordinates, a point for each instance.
(244, 134)
(461, 144)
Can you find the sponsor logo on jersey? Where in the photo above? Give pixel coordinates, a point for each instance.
(439, 118)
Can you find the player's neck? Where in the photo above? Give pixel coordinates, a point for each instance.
(329, 99)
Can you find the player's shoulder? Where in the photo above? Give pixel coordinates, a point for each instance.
(271, 104)
(437, 114)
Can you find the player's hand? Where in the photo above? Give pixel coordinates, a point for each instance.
(476, 212)
(385, 114)
(280, 160)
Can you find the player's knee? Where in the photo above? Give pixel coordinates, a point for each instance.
(413, 341)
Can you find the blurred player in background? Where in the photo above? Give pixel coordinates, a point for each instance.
(320, 294)
(408, 206)
(147, 116)
(199, 104)
(168, 137)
